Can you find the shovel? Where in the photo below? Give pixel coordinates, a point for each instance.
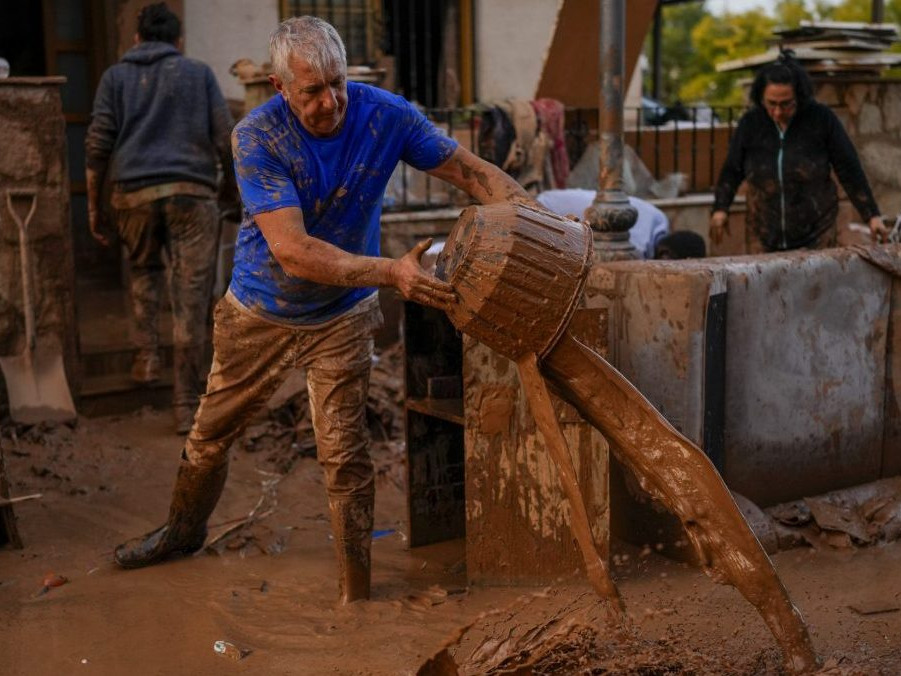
(35, 380)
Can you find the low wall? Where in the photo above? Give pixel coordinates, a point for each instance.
(808, 390)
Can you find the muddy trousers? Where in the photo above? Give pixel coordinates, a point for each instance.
(173, 240)
(252, 357)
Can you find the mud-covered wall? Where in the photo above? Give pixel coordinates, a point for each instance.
(809, 388)
(517, 518)
(33, 157)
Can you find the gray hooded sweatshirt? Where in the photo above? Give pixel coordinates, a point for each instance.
(158, 117)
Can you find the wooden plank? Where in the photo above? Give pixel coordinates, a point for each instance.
(852, 44)
(836, 59)
(878, 28)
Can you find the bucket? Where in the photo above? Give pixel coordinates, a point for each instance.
(519, 274)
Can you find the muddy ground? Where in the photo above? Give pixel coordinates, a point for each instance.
(269, 587)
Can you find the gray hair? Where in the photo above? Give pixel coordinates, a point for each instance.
(309, 38)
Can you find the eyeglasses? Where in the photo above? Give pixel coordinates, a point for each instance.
(781, 105)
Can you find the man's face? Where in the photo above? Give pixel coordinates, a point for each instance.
(318, 101)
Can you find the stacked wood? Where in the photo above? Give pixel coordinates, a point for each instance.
(830, 47)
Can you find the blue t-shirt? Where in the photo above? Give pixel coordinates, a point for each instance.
(338, 183)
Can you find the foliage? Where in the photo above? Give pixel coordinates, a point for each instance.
(695, 40)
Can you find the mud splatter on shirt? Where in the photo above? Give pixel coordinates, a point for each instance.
(279, 165)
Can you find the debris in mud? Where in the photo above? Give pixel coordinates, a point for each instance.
(230, 650)
(858, 516)
(425, 598)
(570, 637)
(248, 531)
(51, 581)
(874, 606)
(4, 502)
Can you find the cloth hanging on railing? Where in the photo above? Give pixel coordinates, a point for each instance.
(512, 137)
(552, 120)
(496, 136)
(532, 145)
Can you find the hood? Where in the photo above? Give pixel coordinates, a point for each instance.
(148, 52)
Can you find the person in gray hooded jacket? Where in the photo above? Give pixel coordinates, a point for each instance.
(160, 133)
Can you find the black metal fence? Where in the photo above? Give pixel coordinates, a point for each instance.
(689, 141)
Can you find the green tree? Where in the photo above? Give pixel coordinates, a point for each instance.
(790, 13)
(722, 38)
(695, 40)
(678, 54)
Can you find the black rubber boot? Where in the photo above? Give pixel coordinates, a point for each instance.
(197, 490)
(352, 529)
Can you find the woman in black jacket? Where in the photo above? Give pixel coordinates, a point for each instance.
(786, 147)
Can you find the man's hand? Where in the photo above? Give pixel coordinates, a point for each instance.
(97, 226)
(415, 284)
(719, 225)
(93, 182)
(878, 231)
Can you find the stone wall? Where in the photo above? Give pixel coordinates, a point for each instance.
(871, 112)
(33, 156)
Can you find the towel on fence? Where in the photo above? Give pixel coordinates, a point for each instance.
(551, 118)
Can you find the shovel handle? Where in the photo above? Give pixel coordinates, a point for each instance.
(25, 258)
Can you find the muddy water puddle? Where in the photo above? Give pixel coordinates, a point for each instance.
(280, 606)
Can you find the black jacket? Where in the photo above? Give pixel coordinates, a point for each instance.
(792, 210)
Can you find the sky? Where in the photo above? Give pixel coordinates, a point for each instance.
(738, 6)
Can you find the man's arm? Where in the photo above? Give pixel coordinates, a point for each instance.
(221, 125)
(94, 185)
(481, 180)
(99, 142)
(308, 257)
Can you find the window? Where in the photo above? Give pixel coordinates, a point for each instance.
(359, 22)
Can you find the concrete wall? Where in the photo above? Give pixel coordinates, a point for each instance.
(809, 393)
(219, 32)
(512, 37)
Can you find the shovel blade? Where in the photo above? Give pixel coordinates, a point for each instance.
(37, 387)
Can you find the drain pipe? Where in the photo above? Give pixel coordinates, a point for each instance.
(610, 215)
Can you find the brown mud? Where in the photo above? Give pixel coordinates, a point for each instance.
(271, 588)
(679, 475)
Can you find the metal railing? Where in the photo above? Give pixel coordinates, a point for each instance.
(688, 141)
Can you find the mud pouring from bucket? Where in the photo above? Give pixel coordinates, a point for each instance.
(519, 274)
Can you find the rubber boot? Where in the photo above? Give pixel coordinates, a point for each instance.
(352, 530)
(186, 366)
(197, 490)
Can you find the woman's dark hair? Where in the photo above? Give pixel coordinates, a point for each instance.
(157, 23)
(786, 70)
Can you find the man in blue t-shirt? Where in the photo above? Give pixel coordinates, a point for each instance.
(312, 165)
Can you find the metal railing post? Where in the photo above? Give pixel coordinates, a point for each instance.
(611, 215)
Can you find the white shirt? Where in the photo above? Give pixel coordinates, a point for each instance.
(651, 226)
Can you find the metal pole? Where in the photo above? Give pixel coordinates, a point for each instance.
(610, 215)
(657, 73)
(877, 12)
